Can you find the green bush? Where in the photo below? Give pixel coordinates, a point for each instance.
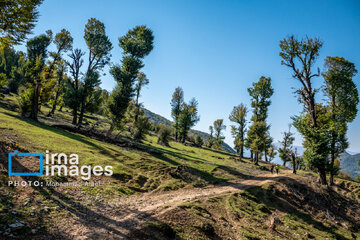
(164, 134)
(25, 100)
(199, 141)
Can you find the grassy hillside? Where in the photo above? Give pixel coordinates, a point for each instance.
(157, 192)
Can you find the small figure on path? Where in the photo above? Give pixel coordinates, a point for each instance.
(272, 169)
(277, 169)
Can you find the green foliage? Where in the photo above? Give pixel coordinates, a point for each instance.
(3, 80)
(136, 44)
(258, 132)
(271, 152)
(238, 115)
(188, 117)
(316, 139)
(164, 134)
(218, 128)
(199, 141)
(141, 128)
(286, 146)
(18, 18)
(177, 102)
(25, 100)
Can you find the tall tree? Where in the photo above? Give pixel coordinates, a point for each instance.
(18, 18)
(99, 46)
(260, 94)
(59, 86)
(37, 54)
(141, 81)
(136, 44)
(343, 98)
(188, 117)
(286, 146)
(211, 139)
(73, 95)
(300, 57)
(218, 128)
(238, 115)
(177, 102)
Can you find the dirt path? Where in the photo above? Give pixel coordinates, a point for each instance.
(116, 220)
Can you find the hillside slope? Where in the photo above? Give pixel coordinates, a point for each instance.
(158, 119)
(350, 164)
(157, 192)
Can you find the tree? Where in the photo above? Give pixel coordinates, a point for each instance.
(59, 87)
(286, 146)
(73, 95)
(258, 132)
(211, 139)
(271, 152)
(18, 18)
(238, 115)
(188, 117)
(218, 128)
(304, 53)
(260, 94)
(141, 81)
(199, 141)
(177, 102)
(99, 46)
(136, 44)
(164, 134)
(343, 98)
(317, 140)
(36, 54)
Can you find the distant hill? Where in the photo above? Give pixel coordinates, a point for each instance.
(157, 119)
(349, 164)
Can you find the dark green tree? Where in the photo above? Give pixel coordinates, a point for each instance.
(99, 46)
(343, 98)
(238, 115)
(136, 44)
(286, 146)
(177, 102)
(188, 117)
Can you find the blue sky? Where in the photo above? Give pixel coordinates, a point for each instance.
(214, 50)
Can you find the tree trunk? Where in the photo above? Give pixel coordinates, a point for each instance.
(293, 162)
(75, 110)
(256, 158)
(322, 176)
(60, 109)
(111, 129)
(54, 104)
(242, 151)
(251, 155)
(332, 160)
(35, 103)
(82, 110)
(266, 159)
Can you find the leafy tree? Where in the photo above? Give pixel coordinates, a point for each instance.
(260, 94)
(303, 53)
(218, 128)
(188, 117)
(271, 152)
(73, 94)
(3, 79)
(343, 98)
(59, 87)
(317, 140)
(164, 134)
(238, 115)
(199, 141)
(286, 146)
(99, 46)
(177, 102)
(211, 140)
(18, 18)
(136, 44)
(37, 54)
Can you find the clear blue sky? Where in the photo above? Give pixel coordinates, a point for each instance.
(214, 50)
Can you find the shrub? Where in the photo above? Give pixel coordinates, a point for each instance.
(199, 141)
(164, 134)
(140, 128)
(25, 100)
